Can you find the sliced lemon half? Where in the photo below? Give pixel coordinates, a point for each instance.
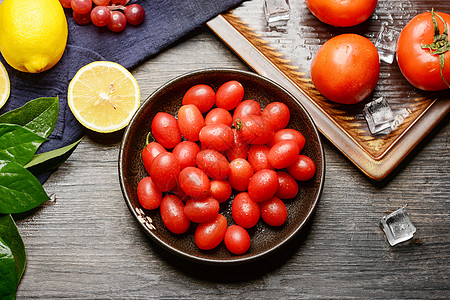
(103, 96)
(4, 85)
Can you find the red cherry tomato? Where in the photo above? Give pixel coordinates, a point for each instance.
(258, 157)
(150, 152)
(210, 234)
(245, 211)
(165, 130)
(186, 152)
(240, 173)
(148, 195)
(213, 163)
(229, 95)
(342, 13)
(164, 171)
(201, 95)
(254, 129)
(417, 63)
(218, 137)
(190, 121)
(172, 214)
(201, 210)
(273, 211)
(245, 108)
(283, 154)
(220, 190)
(287, 186)
(278, 115)
(194, 182)
(263, 185)
(238, 148)
(218, 116)
(237, 240)
(346, 68)
(288, 134)
(302, 169)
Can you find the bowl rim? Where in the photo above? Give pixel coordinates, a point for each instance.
(237, 260)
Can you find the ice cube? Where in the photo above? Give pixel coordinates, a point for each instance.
(397, 226)
(277, 12)
(378, 115)
(386, 42)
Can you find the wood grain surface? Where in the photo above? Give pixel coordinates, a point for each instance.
(86, 245)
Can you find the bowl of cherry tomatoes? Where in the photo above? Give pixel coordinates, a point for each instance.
(221, 166)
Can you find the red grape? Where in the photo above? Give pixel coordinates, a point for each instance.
(81, 6)
(100, 16)
(135, 14)
(118, 21)
(119, 2)
(82, 19)
(101, 2)
(66, 3)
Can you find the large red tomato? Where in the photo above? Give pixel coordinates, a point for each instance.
(419, 64)
(342, 13)
(346, 68)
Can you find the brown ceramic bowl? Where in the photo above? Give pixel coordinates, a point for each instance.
(265, 239)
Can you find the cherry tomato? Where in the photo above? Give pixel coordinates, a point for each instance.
(177, 191)
(210, 234)
(213, 163)
(258, 157)
(273, 211)
(278, 115)
(416, 61)
(202, 96)
(238, 148)
(172, 214)
(288, 134)
(190, 121)
(237, 240)
(165, 130)
(218, 137)
(148, 195)
(263, 185)
(287, 186)
(254, 129)
(218, 116)
(342, 13)
(283, 154)
(220, 190)
(186, 152)
(245, 211)
(302, 169)
(240, 173)
(194, 182)
(164, 171)
(245, 108)
(151, 150)
(229, 95)
(346, 68)
(201, 210)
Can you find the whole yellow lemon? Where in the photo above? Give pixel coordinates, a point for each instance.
(33, 34)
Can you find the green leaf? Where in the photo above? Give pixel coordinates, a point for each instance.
(18, 144)
(20, 191)
(52, 159)
(8, 284)
(38, 115)
(11, 236)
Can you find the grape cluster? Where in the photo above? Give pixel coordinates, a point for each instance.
(115, 14)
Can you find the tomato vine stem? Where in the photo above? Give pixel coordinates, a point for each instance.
(440, 44)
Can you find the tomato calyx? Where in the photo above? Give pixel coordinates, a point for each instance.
(441, 43)
(238, 125)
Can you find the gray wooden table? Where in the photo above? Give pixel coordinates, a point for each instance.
(86, 244)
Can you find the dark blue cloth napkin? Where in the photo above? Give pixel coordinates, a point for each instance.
(166, 21)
